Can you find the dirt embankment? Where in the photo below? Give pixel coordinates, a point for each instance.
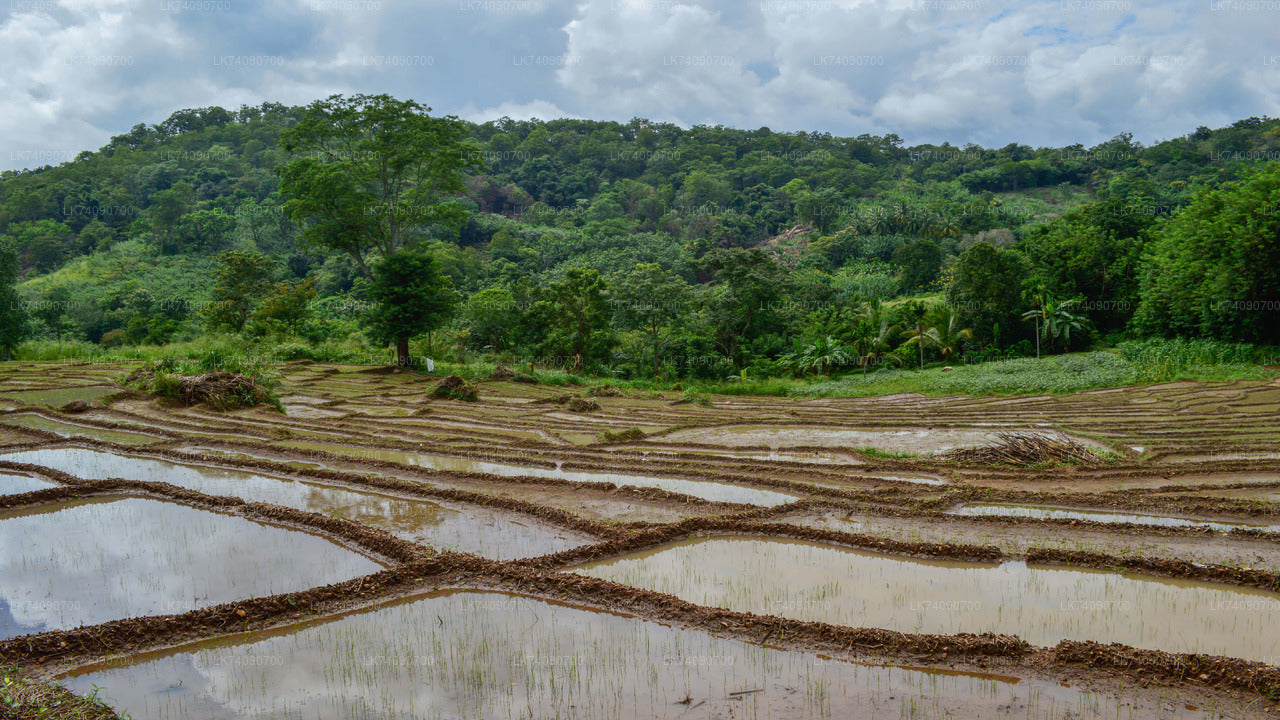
(486, 430)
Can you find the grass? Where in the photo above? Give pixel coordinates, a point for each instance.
(1133, 363)
(20, 698)
(1142, 363)
(1130, 364)
(875, 452)
(162, 375)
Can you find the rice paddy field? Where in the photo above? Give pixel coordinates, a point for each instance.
(376, 552)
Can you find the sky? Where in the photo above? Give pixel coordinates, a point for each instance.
(990, 72)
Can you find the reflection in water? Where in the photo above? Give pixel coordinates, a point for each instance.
(67, 429)
(18, 484)
(478, 531)
(92, 562)
(808, 581)
(713, 491)
(488, 655)
(1051, 513)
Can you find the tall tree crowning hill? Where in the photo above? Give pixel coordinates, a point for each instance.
(771, 238)
(374, 174)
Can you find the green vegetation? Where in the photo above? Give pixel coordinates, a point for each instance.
(641, 251)
(410, 298)
(219, 379)
(20, 698)
(455, 387)
(13, 320)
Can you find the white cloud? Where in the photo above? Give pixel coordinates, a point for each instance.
(537, 109)
(988, 71)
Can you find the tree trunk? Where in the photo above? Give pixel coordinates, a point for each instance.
(1037, 337)
(402, 351)
(655, 355)
(920, 342)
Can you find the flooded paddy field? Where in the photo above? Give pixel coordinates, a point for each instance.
(72, 430)
(88, 562)
(1018, 536)
(56, 396)
(1054, 513)
(711, 491)
(1042, 605)
(480, 531)
(14, 484)
(488, 655)
(743, 557)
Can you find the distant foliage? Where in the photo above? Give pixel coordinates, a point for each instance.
(636, 250)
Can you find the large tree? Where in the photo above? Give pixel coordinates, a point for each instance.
(240, 282)
(1095, 253)
(1214, 268)
(52, 309)
(491, 319)
(650, 298)
(411, 297)
(987, 289)
(13, 316)
(748, 300)
(919, 264)
(575, 314)
(373, 173)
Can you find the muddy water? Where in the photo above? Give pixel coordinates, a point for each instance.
(11, 484)
(714, 491)
(896, 441)
(61, 396)
(1040, 604)
(914, 480)
(1053, 513)
(474, 530)
(67, 429)
(769, 455)
(90, 562)
(487, 655)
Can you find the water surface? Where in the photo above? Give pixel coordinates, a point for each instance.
(487, 655)
(713, 491)
(480, 531)
(85, 563)
(1042, 605)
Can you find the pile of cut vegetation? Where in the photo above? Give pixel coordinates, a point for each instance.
(1016, 448)
(455, 388)
(215, 388)
(583, 405)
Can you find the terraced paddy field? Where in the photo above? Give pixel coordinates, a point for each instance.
(373, 552)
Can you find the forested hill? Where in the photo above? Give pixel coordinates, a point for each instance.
(131, 233)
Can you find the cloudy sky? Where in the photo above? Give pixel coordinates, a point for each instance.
(986, 71)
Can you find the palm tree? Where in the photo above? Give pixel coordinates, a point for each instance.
(1038, 300)
(875, 345)
(823, 355)
(920, 335)
(949, 334)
